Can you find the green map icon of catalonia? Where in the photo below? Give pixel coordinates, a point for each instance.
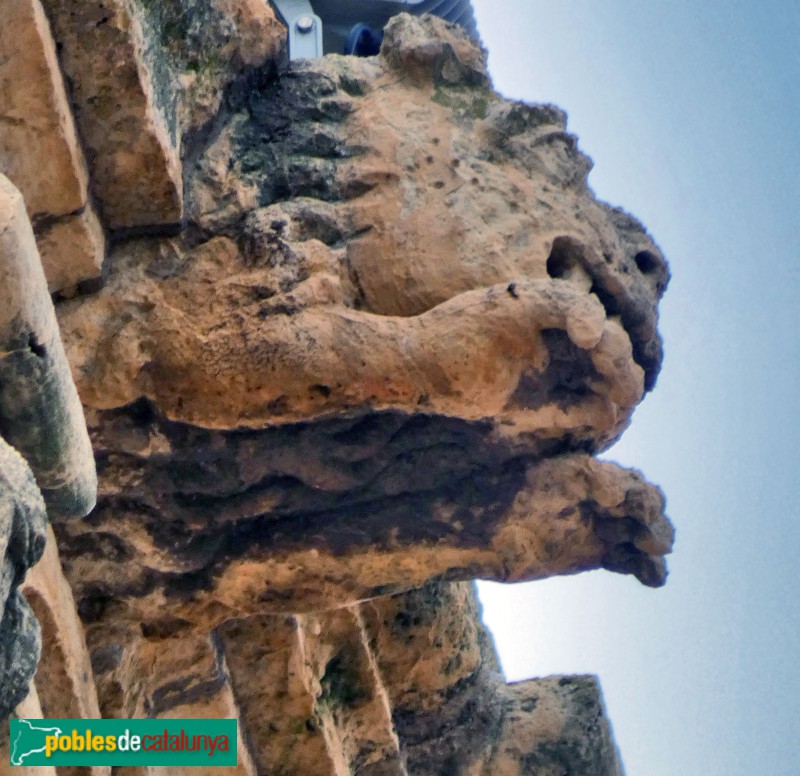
(146, 742)
(29, 738)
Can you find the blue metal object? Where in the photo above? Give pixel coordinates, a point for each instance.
(303, 26)
(363, 41)
(318, 27)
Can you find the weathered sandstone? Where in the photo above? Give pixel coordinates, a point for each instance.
(401, 685)
(40, 151)
(390, 361)
(40, 413)
(141, 75)
(133, 156)
(22, 535)
(362, 332)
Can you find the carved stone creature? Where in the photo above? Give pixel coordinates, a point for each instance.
(393, 333)
(362, 331)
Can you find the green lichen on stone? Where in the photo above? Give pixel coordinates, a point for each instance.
(341, 685)
(189, 33)
(34, 417)
(182, 36)
(467, 103)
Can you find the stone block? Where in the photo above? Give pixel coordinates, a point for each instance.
(133, 152)
(72, 250)
(40, 151)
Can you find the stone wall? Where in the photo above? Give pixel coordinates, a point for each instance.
(347, 335)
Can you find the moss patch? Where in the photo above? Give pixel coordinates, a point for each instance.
(341, 684)
(467, 104)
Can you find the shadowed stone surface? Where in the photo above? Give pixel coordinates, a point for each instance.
(316, 515)
(23, 522)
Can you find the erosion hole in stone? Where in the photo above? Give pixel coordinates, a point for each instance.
(341, 684)
(36, 347)
(141, 412)
(93, 605)
(647, 262)
(606, 299)
(562, 258)
(165, 628)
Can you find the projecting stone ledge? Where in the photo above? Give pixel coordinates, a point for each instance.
(285, 546)
(406, 685)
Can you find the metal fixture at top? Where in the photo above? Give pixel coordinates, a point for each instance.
(305, 23)
(318, 27)
(304, 28)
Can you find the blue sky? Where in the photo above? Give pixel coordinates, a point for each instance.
(691, 112)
